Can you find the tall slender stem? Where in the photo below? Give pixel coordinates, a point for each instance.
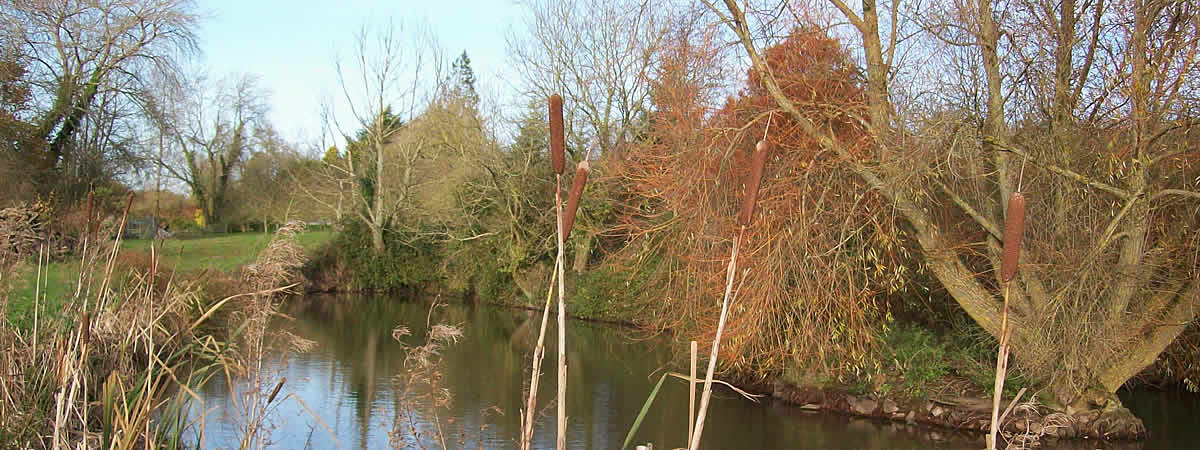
(1001, 371)
(538, 352)
(562, 325)
(692, 392)
(730, 273)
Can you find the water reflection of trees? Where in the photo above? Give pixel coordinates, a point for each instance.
(485, 370)
(609, 374)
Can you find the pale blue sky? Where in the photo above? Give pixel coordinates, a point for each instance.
(290, 45)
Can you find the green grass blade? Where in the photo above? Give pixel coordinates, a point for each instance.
(637, 423)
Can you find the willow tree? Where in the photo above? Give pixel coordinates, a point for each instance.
(1109, 277)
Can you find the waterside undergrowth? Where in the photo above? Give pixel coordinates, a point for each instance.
(113, 357)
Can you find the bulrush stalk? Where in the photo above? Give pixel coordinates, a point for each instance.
(566, 222)
(538, 352)
(577, 185)
(745, 218)
(562, 327)
(562, 228)
(1014, 228)
(557, 135)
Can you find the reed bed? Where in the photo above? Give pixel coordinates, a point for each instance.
(119, 365)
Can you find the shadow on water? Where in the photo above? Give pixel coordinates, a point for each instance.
(347, 380)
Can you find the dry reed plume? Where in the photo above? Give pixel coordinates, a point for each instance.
(420, 384)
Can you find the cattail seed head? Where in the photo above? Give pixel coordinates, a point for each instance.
(581, 175)
(557, 135)
(746, 217)
(1014, 228)
(128, 204)
(275, 391)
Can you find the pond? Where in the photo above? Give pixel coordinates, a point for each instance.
(344, 392)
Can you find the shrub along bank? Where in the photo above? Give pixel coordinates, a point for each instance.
(863, 273)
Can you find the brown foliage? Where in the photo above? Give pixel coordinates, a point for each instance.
(803, 299)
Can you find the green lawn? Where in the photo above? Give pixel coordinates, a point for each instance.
(222, 252)
(58, 284)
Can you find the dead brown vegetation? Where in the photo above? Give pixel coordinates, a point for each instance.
(805, 300)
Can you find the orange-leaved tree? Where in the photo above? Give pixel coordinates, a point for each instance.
(803, 299)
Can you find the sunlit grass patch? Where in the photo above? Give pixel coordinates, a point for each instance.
(222, 253)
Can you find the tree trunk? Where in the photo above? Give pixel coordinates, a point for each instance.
(376, 239)
(993, 126)
(1130, 270)
(1159, 333)
(877, 72)
(1063, 108)
(582, 252)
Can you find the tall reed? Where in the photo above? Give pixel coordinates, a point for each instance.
(1014, 229)
(564, 221)
(745, 220)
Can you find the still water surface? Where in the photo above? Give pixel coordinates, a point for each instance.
(347, 380)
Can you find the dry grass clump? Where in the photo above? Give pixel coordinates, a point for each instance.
(98, 376)
(131, 347)
(420, 385)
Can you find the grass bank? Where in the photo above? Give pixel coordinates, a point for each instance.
(222, 253)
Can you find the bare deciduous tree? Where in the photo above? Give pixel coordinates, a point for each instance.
(82, 53)
(388, 82)
(599, 56)
(210, 129)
